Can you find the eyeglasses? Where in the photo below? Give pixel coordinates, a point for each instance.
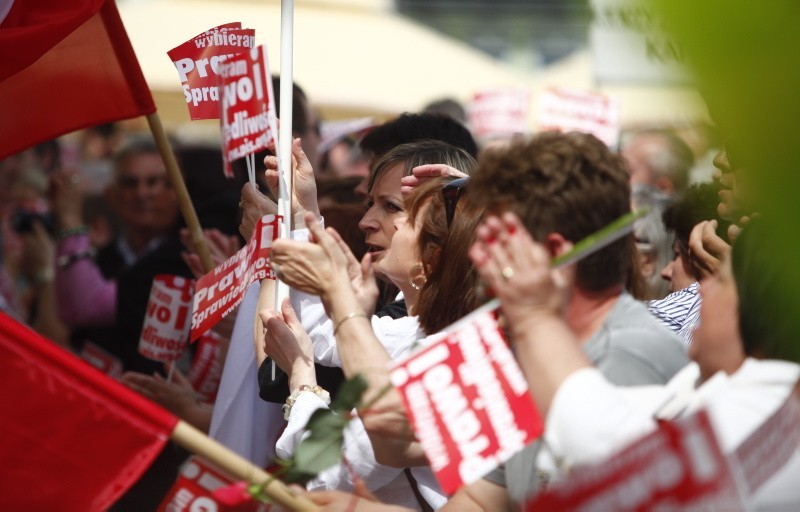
(451, 193)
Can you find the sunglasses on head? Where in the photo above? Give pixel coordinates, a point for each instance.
(451, 193)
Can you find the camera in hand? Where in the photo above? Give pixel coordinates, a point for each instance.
(22, 221)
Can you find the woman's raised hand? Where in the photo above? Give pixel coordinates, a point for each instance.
(362, 275)
(288, 344)
(304, 186)
(318, 268)
(220, 245)
(707, 250)
(422, 173)
(254, 205)
(518, 270)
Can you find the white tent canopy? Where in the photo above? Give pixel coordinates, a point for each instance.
(351, 57)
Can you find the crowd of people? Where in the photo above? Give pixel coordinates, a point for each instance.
(680, 314)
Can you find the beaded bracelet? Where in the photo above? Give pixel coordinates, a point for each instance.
(346, 318)
(66, 260)
(305, 388)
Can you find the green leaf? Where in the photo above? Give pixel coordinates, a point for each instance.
(349, 394)
(318, 453)
(296, 476)
(324, 422)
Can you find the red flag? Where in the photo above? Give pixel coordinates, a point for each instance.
(65, 65)
(70, 437)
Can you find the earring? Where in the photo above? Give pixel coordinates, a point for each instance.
(419, 270)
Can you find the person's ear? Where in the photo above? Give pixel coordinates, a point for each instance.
(557, 244)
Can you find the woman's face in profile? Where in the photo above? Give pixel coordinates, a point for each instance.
(383, 208)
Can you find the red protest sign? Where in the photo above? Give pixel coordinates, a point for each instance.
(193, 491)
(222, 289)
(166, 321)
(101, 359)
(206, 369)
(468, 402)
(247, 117)
(768, 448)
(198, 61)
(581, 111)
(679, 466)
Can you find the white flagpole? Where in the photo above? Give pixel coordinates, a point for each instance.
(285, 136)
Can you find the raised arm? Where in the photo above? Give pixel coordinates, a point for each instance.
(84, 296)
(321, 268)
(532, 302)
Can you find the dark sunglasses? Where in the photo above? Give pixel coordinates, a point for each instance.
(451, 193)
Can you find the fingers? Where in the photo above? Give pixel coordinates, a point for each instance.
(222, 245)
(266, 315)
(186, 239)
(139, 382)
(322, 236)
(497, 243)
(301, 160)
(272, 177)
(289, 314)
(696, 244)
(361, 490)
(177, 376)
(436, 171)
(706, 248)
(367, 270)
(712, 241)
(482, 258)
(351, 259)
(423, 173)
(193, 262)
(321, 497)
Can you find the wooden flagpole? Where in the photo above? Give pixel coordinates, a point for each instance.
(185, 202)
(238, 467)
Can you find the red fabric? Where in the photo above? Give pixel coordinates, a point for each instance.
(70, 437)
(65, 65)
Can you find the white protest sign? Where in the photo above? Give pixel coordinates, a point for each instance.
(500, 112)
(166, 322)
(569, 110)
(467, 401)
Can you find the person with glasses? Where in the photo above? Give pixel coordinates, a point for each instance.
(427, 260)
(88, 280)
